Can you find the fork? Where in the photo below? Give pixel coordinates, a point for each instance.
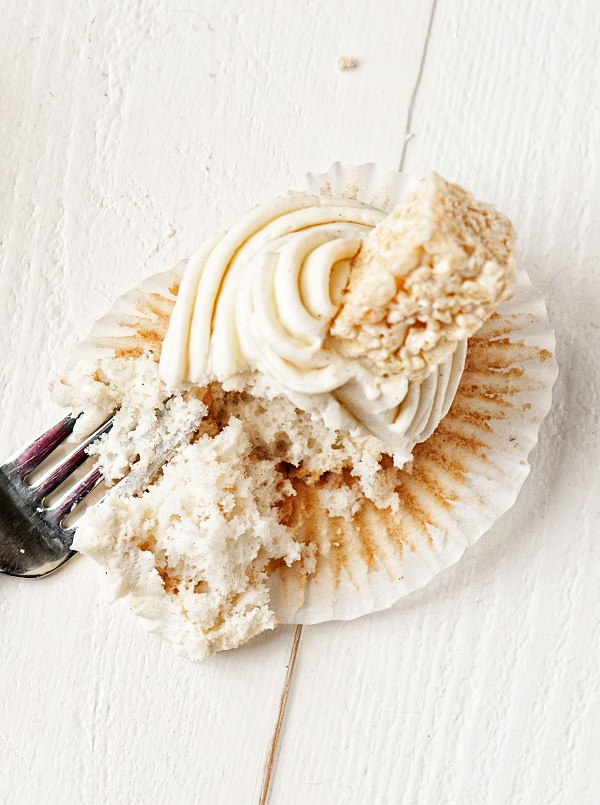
(34, 539)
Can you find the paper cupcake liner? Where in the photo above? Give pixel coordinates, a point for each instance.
(462, 479)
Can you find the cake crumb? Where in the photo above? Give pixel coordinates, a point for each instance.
(345, 63)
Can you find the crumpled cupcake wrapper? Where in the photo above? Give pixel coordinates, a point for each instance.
(462, 479)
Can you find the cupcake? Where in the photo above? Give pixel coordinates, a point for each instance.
(318, 411)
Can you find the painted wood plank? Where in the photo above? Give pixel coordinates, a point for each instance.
(484, 687)
(128, 131)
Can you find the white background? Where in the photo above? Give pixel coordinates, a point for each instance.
(127, 131)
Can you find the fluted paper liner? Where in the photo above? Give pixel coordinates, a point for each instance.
(462, 479)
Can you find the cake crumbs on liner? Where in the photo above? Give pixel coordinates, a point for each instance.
(191, 555)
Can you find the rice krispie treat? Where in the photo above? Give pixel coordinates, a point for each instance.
(425, 278)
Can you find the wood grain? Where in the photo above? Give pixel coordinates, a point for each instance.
(484, 688)
(128, 131)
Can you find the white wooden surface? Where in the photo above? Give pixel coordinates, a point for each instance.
(127, 131)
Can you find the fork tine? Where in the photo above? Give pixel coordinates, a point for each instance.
(67, 466)
(35, 452)
(67, 503)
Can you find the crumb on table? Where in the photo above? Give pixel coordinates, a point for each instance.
(345, 63)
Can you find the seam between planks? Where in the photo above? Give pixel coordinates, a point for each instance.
(264, 793)
(408, 135)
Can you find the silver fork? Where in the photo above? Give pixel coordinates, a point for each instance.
(34, 540)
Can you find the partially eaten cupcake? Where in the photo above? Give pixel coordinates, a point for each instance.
(311, 347)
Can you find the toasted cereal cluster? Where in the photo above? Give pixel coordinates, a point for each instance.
(428, 276)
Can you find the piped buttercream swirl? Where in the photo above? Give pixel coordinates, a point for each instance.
(254, 310)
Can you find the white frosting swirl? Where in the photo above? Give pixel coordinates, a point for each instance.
(254, 309)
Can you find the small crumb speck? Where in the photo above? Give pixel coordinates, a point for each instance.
(345, 63)
(21, 550)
